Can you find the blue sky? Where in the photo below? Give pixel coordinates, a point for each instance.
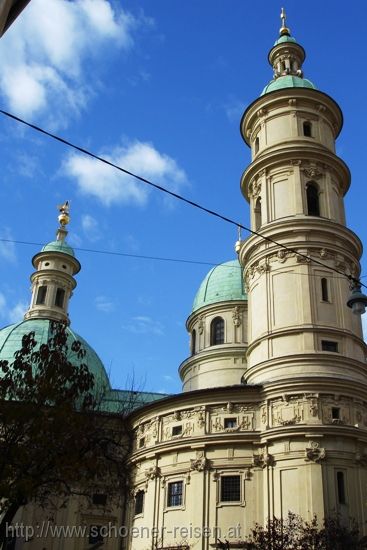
(158, 87)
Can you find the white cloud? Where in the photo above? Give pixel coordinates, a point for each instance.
(44, 57)
(143, 324)
(104, 304)
(7, 248)
(17, 312)
(234, 109)
(364, 326)
(111, 186)
(91, 227)
(12, 314)
(2, 305)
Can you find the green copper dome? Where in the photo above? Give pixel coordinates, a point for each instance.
(284, 38)
(58, 246)
(11, 341)
(224, 282)
(288, 81)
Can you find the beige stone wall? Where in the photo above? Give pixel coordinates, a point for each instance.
(216, 365)
(286, 448)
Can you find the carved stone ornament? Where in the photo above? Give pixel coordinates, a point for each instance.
(199, 464)
(200, 419)
(217, 425)
(262, 460)
(312, 172)
(314, 452)
(314, 408)
(201, 325)
(255, 188)
(152, 473)
(236, 316)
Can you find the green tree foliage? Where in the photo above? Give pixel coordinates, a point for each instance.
(294, 533)
(55, 439)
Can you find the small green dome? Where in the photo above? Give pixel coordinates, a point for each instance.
(58, 246)
(11, 341)
(285, 38)
(288, 81)
(224, 282)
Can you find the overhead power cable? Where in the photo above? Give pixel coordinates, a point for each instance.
(155, 258)
(176, 195)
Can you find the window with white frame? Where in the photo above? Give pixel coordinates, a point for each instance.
(175, 494)
(230, 488)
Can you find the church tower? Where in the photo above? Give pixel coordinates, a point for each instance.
(295, 270)
(306, 347)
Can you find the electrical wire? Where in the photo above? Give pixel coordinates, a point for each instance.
(162, 258)
(176, 195)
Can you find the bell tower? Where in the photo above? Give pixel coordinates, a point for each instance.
(297, 268)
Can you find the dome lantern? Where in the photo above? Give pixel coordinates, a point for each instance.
(53, 281)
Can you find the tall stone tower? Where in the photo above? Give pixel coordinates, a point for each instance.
(303, 339)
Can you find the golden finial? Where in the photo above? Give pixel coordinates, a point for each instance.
(283, 29)
(64, 216)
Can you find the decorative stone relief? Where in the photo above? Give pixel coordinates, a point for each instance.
(217, 425)
(247, 422)
(200, 417)
(314, 452)
(216, 476)
(254, 189)
(188, 429)
(201, 325)
(236, 316)
(312, 172)
(152, 473)
(287, 413)
(200, 463)
(314, 408)
(262, 460)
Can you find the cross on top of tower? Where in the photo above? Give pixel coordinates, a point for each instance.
(283, 29)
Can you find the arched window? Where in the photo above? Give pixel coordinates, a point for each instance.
(313, 205)
(217, 331)
(324, 290)
(257, 145)
(193, 342)
(257, 212)
(307, 129)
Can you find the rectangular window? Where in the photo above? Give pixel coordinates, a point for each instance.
(341, 487)
(59, 298)
(176, 430)
(327, 345)
(230, 422)
(324, 290)
(230, 488)
(41, 295)
(99, 499)
(141, 442)
(175, 493)
(95, 535)
(335, 413)
(139, 502)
